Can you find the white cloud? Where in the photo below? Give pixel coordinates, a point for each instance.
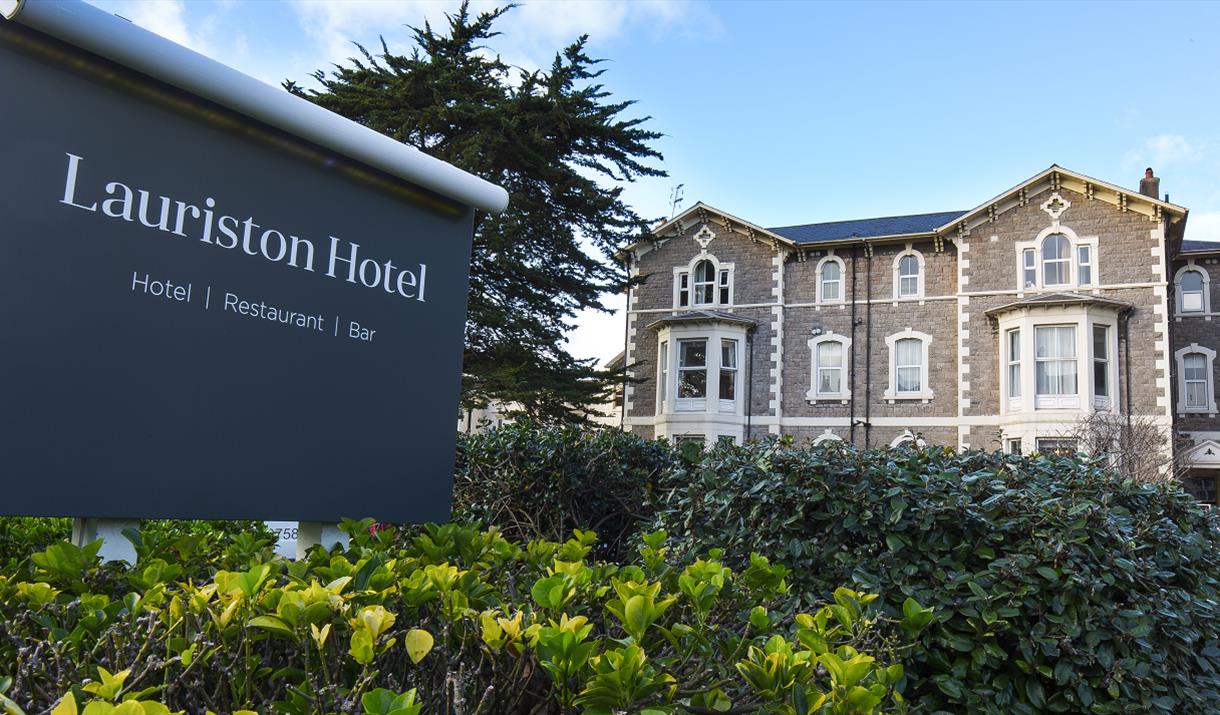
(530, 34)
(1203, 227)
(1163, 150)
(166, 18)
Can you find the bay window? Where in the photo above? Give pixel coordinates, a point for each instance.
(1055, 366)
(701, 371)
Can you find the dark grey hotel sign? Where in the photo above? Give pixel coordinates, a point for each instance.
(204, 316)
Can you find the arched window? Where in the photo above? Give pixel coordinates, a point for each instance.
(828, 378)
(1196, 391)
(705, 283)
(908, 274)
(1192, 284)
(1056, 260)
(908, 439)
(830, 280)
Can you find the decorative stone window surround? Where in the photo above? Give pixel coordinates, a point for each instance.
(689, 271)
(827, 436)
(924, 393)
(921, 276)
(842, 396)
(1074, 242)
(831, 258)
(1209, 407)
(1207, 291)
(1083, 318)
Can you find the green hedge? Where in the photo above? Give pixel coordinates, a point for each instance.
(541, 483)
(1059, 587)
(450, 619)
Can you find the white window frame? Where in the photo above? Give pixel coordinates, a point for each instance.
(662, 374)
(821, 298)
(1206, 307)
(1101, 402)
(692, 404)
(843, 395)
(1058, 400)
(1209, 403)
(1075, 243)
(827, 436)
(1085, 319)
(919, 275)
(925, 392)
(721, 272)
(728, 406)
(1013, 396)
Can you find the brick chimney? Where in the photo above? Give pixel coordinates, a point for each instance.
(1150, 185)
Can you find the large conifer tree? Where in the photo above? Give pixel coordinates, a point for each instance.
(549, 137)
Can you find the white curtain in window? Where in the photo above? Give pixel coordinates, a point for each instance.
(1055, 353)
(830, 368)
(1194, 373)
(908, 361)
(705, 283)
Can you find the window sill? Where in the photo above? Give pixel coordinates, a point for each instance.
(891, 397)
(814, 398)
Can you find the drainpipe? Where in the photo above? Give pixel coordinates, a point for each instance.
(851, 370)
(749, 381)
(868, 349)
(622, 419)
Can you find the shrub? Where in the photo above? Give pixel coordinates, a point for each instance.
(1058, 586)
(453, 620)
(542, 482)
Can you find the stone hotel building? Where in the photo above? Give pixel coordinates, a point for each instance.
(1005, 326)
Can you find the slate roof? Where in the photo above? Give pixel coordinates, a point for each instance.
(1060, 299)
(702, 316)
(1191, 246)
(866, 227)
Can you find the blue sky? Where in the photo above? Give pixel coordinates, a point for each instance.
(784, 113)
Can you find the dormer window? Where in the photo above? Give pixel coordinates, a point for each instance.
(705, 282)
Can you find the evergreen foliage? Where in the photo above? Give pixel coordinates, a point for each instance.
(548, 137)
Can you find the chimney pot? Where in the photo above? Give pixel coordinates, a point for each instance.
(1150, 185)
